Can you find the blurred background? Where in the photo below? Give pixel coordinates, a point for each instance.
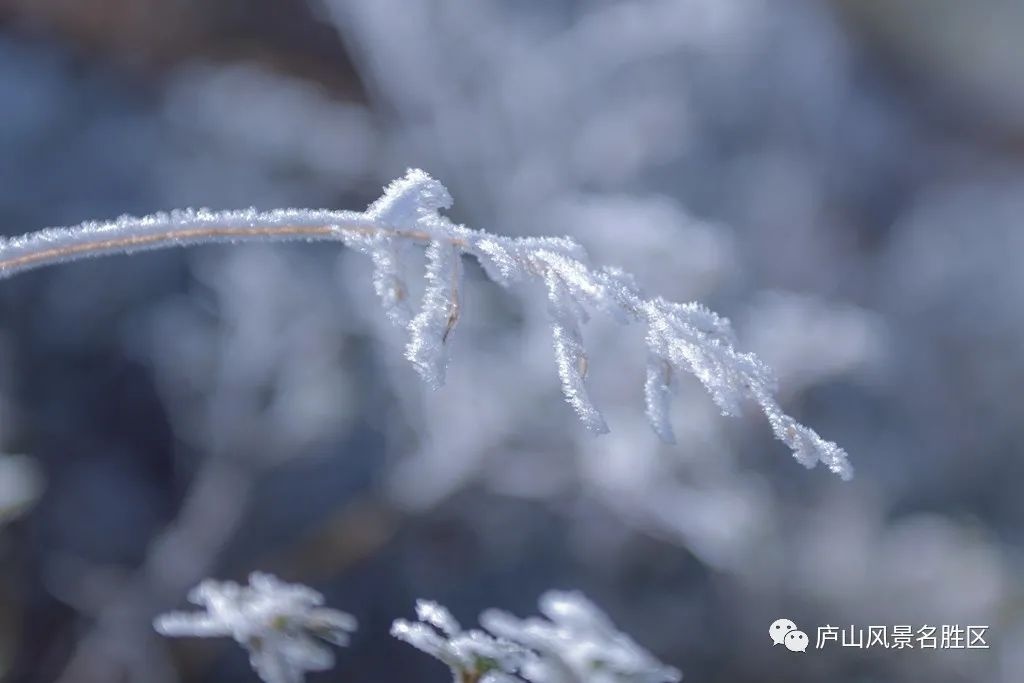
(844, 180)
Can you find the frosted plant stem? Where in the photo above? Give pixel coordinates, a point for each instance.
(186, 228)
(681, 338)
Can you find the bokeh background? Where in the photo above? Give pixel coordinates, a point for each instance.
(844, 180)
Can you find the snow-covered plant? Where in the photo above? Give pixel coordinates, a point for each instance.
(278, 623)
(577, 643)
(680, 338)
(472, 656)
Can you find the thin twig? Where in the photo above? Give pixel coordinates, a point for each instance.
(38, 252)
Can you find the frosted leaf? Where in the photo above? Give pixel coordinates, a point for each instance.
(272, 667)
(497, 259)
(471, 655)
(697, 343)
(197, 624)
(622, 298)
(389, 281)
(658, 397)
(572, 610)
(312, 655)
(563, 246)
(278, 623)
(575, 280)
(388, 255)
(570, 354)
(700, 318)
(423, 638)
(429, 331)
(808, 448)
(289, 662)
(437, 616)
(507, 260)
(331, 625)
(576, 644)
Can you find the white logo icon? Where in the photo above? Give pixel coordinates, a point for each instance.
(796, 641)
(779, 629)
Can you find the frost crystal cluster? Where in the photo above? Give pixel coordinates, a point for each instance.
(278, 623)
(577, 643)
(680, 338)
(471, 655)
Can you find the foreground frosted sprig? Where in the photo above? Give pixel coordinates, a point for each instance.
(577, 643)
(473, 656)
(280, 624)
(680, 338)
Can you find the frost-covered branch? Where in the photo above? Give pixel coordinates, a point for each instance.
(680, 338)
(576, 643)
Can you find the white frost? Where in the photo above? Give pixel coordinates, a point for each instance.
(680, 338)
(280, 624)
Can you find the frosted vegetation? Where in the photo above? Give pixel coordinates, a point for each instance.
(681, 339)
(278, 623)
(753, 156)
(574, 643)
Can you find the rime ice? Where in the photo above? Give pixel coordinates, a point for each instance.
(471, 655)
(280, 624)
(576, 644)
(680, 338)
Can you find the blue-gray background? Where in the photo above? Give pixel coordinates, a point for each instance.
(844, 180)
